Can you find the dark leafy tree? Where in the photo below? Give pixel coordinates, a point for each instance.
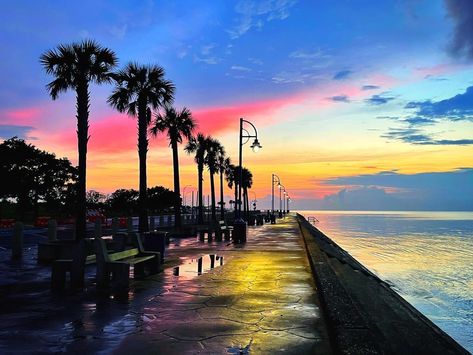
(161, 198)
(95, 200)
(75, 66)
(178, 125)
(123, 202)
(30, 175)
(198, 146)
(140, 88)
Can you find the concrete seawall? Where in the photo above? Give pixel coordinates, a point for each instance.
(364, 315)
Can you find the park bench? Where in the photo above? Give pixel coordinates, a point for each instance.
(205, 229)
(75, 266)
(223, 229)
(114, 268)
(61, 267)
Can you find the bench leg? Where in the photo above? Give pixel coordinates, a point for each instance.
(155, 265)
(201, 235)
(77, 276)
(58, 276)
(139, 270)
(102, 276)
(121, 276)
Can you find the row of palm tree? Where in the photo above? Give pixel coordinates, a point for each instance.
(139, 91)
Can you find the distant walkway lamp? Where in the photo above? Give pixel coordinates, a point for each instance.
(245, 136)
(184, 193)
(288, 200)
(275, 179)
(254, 200)
(281, 189)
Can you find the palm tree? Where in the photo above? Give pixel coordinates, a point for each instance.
(232, 176)
(223, 164)
(214, 150)
(178, 125)
(74, 67)
(246, 183)
(140, 88)
(198, 145)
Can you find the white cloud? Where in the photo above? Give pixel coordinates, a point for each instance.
(239, 68)
(118, 31)
(301, 54)
(255, 13)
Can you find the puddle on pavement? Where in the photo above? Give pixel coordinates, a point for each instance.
(191, 268)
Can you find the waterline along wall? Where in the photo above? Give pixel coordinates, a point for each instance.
(365, 316)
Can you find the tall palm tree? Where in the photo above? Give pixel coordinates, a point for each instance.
(246, 183)
(140, 88)
(232, 176)
(223, 164)
(214, 150)
(198, 145)
(74, 67)
(178, 125)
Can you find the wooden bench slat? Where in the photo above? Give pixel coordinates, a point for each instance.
(123, 254)
(133, 261)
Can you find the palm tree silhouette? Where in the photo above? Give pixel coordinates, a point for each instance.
(178, 125)
(246, 183)
(223, 164)
(232, 176)
(214, 150)
(140, 88)
(198, 145)
(75, 66)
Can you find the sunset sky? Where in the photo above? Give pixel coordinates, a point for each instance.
(358, 104)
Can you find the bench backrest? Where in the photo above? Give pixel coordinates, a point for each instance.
(90, 259)
(103, 256)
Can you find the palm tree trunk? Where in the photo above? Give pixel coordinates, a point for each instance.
(177, 188)
(142, 152)
(222, 208)
(245, 211)
(236, 196)
(83, 98)
(212, 193)
(200, 216)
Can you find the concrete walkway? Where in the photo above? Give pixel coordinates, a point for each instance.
(258, 298)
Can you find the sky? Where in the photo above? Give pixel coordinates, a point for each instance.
(358, 104)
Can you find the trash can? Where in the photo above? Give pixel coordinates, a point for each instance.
(156, 241)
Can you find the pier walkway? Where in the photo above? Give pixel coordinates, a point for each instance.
(257, 298)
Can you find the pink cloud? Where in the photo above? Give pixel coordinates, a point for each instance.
(21, 116)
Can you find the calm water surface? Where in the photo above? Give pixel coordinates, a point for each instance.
(427, 257)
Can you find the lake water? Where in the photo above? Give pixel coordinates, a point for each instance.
(427, 257)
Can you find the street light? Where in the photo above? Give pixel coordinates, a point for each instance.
(288, 200)
(281, 188)
(184, 192)
(274, 179)
(240, 224)
(254, 200)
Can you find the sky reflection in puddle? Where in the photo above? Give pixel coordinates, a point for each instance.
(193, 267)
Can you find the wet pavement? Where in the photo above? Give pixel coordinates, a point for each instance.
(212, 298)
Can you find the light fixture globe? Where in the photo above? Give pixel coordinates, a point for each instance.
(256, 146)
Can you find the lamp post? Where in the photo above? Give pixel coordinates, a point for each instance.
(281, 188)
(284, 203)
(239, 224)
(184, 192)
(288, 200)
(254, 200)
(274, 179)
